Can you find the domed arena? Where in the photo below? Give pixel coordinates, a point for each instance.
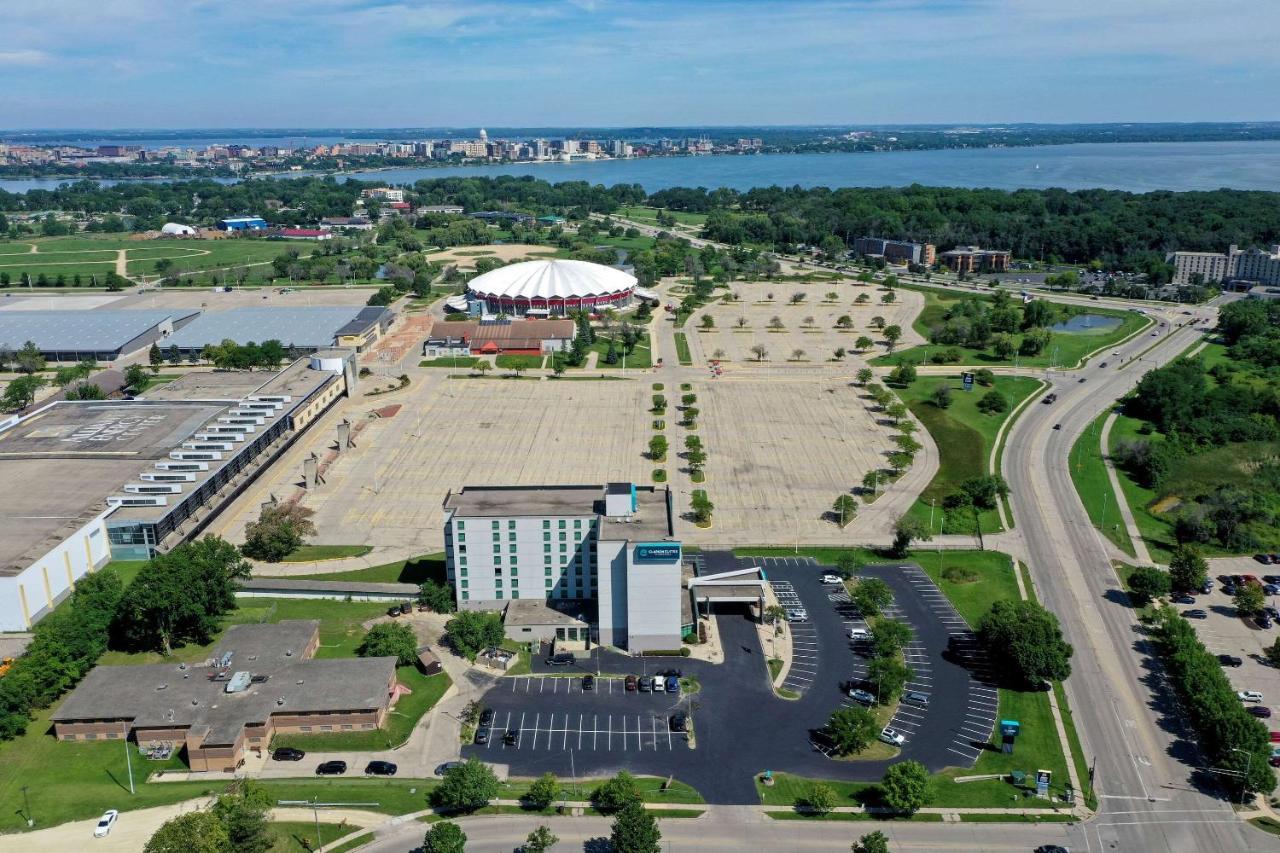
(553, 288)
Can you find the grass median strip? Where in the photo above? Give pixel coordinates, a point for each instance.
(1089, 474)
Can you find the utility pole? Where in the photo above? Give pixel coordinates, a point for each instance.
(128, 760)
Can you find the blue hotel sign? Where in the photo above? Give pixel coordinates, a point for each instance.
(658, 552)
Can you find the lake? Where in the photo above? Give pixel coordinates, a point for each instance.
(1087, 323)
(1137, 167)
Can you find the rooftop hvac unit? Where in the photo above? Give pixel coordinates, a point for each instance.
(240, 419)
(164, 465)
(220, 436)
(152, 488)
(197, 455)
(219, 428)
(239, 682)
(222, 444)
(271, 398)
(137, 500)
(261, 414)
(167, 476)
(259, 406)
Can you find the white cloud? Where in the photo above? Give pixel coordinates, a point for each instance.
(23, 57)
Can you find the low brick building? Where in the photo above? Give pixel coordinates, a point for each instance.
(260, 680)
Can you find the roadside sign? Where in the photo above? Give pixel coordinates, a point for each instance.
(968, 380)
(1043, 777)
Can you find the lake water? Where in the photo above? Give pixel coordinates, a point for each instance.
(1088, 323)
(1137, 167)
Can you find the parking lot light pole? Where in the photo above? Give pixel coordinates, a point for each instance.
(1244, 783)
(128, 760)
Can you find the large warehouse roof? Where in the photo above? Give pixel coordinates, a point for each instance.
(300, 327)
(552, 279)
(103, 329)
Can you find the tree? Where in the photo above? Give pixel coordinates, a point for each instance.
(543, 792)
(892, 334)
(864, 375)
(657, 448)
(978, 494)
(992, 403)
(1025, 642)
(1249, 598)
(775, 323)
(906, 787)
(708, 322)
(616, 793)
(1272, 653)
(844, 321)
(890, 676)
(471, 630)
(435, 596)
(902, 375)
(821, 798)
(1146, 583)
(941, 396)
(21, 392)
(852, 729)
(155, 357)
(279, 531)
(877, 322)
(444, 837)
(466, 787)
(863, 343)
(1003, 346)
(540, 840)
(906, 530)
(243, 812)
(759, 351)
(872, 842)
(845, 508)
(136, 379)
(635, 831)
(482, 367)
(702, 506)
(797, 354)
(896, 411)
(1187, 569)
(889, 636)
(846, 565)
(29, 359)
(871, 596)
(193, 832)
(390, 639)
(888, 298)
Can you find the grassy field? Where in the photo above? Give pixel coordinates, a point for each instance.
(965, 437)
(451, 363)
(641, 356)
(416, 570)
(409, 709)
(523, 362)
(86, 256)
(649, 215)
(309, 553)
(1089, 474)
(1065, 349)
(289, 836)
(682, 349)
(972, 580)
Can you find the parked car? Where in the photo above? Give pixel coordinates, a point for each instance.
(1249, 696)
(380, 768)
(1104, 364)
(797, 614)
(645, 684)
(915, 697)
(1262, 620)
(1271, 579)
(893, 737)
(1230, 660)
(1271, 589)
(442, 769)
(1228, 589)
(562, 659)
(393, 611)
(1260, 711)
(1206, 587)
(1195, 614)
(1274, 761)
(860, 635)
(482, 736)
(667, 673)
(679, 723)
(588, 683)
(1183, 598)
(673, 684)
(108, 820)
(862, 696)
(1265, 559)
(630, 684)
(512, 737)
(486, 717)
(331, 768)
(831, 579)
(288, 753)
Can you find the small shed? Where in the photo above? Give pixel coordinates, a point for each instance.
(428, 662)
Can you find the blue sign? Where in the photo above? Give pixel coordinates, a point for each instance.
(658, 552)
(1009, 728)
(968, 381)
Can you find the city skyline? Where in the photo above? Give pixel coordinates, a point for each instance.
(146, 64)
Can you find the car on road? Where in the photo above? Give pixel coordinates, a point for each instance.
(1230, 660)
(442, 769)
(862, 696)
(630, 684)
(380, 768)
(645, 684)
(1249, 696)
(486, 717)
(1260, 711)
(831, 579)
(588, 683)
(915, 697)
(860, 635)
(331, 768)
(562, 659)
(892, 736)
(1195, 613)
(108, 820)
(1049, 398)
(288, 753)
(482, 737)
(678, 723)
(1183, 598)
(1104, 364)
(673, 684)
(512, 737)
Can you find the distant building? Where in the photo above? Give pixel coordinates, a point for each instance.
(516, 337)
(356, 223)
(455, 209)
(971, 259)
(242, 223)
(899, 251)
(302, 234)
(383, 194)
(1252, 266)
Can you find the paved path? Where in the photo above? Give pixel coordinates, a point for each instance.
(1142, 555)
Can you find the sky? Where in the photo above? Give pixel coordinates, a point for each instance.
(469, 63)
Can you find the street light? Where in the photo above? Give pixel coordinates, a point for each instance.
(1244, 783)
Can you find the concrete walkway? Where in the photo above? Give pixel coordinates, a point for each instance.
(1142, 555)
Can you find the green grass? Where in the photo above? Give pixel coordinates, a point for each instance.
(461, 361)
(415, 570)
(523, 362)
(357, 842)
(126, 569)
(1266, 824)
(972, 580)
(649, 215)
(311, 553)
(987, 817)
(682, 349)
(287, 835)
(925, 817)
(965, 438)
(409, 709)
(1089, 474)
(1156, 531)
(640, 356)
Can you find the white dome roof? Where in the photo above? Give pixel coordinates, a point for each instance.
(552, 279)
(177, 228)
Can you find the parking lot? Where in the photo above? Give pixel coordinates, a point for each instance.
(1223, 632)
(583, 731)
(804, 637)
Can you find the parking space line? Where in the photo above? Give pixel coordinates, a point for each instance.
(521, 736)
(579, 731)
(595, 732)
(536, 722)
(611, 732)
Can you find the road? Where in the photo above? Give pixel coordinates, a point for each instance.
(1126, 719)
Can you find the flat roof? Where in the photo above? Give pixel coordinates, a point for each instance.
(365, 320)
(301, 327)
(534, 612)
(102, 329)
(649, 521)
(166, 694)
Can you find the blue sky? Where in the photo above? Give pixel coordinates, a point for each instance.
(385, 63)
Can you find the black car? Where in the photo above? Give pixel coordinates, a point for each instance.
(288, 753)
(482, 737)
(667, 673)
(1230, 660)
(1206, 587)
(380, 768)
(1228, 589)
(588, 682)
(1183, 598)
(486, 717)
(442, 769)
(1265, 559)
(332, 768)
(1262, 620)
(1271, 579)
(562, 659)
(645, 685)
(1195, 614)
(512, 737)
(679, 723)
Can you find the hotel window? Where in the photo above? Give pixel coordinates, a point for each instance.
(497, 593)
(563, 537)
(494, 524)
(564, 593)
(549, 584)
(464, 584)
(462, 561)
(563, 550)
(577, 524)
(546, 536)
(497, 562)
(463, 572)
(461, 525)
(512, 546)
(497, 537)
(547, 571)
(546, 522)
(511, 524)
(561, 524)
(465, 595)
(515, 593)
(462, 538)
(546, 548)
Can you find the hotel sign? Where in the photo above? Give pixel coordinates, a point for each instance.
(658, 552)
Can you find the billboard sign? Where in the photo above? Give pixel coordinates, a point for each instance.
(658, 552)
(968, 380)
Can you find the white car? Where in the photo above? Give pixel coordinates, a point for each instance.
(860, 635)
(862, 696)
(1249, 696)
(893, 737)
(108, 820)
(832, 579)
(797, 614)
